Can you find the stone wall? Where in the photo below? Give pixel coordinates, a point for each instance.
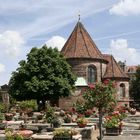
(80, 67)
(67, 102)
(124, 100)
(5, 99)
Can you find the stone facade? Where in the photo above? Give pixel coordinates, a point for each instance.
(80, 67)
(5, 96)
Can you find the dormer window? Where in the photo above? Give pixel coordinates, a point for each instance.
(92, 74)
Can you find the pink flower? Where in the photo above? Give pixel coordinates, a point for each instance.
(91, 86)
(106, 81)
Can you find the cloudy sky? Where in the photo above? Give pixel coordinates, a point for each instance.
(114, 25)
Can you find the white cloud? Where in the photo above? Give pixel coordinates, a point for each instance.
(10, 43)
(120, 49)
(126, 7)
(56, 41)
(46, 16)
(2, 68)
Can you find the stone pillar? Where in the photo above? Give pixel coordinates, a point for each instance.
(5, 99)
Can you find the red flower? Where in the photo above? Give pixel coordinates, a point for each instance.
(88, 112)
(106, 81)
(80, 115)
(91, 86)
(73, 109)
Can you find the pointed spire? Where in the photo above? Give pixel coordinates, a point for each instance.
(113, 69)
(80, 45)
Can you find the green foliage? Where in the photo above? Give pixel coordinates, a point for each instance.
(2, 107)
(28, 104)
(45, 74)
(82, 120)
(10, 135)
(80, 107)
(112, 121)
(135, 86)
(50, 114)
(67, 118)
(1, 116)
(62, 132)
(100, 95)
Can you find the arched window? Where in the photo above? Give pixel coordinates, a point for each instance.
(122, 90)
(92, 74)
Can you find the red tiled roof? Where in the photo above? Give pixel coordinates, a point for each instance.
(80, 45)
(113, 70)
(129, 69)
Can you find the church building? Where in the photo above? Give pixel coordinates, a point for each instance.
(90, 65)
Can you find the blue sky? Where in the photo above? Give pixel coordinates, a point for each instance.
(114, 25)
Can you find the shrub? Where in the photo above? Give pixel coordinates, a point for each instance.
(32, 104)
(2, 107)
(67, 118)
(62, 132)
(49, 114)
(80, 107)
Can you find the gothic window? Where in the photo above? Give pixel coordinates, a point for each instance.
(122, 90)
(92, 74)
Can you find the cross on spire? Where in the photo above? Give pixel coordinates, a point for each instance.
(79, 15)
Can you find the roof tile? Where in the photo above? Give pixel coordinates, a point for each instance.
(80, 45)
(113, 69)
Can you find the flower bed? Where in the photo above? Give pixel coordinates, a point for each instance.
(82, 122)
(64, 134)
(17, 135)
(113, 122)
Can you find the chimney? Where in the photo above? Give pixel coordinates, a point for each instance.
(122, 65)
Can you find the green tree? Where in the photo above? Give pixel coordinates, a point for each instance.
(45, 75)
(103, 97)
(135, 86)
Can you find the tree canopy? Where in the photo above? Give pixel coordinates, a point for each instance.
(44, 75)
(101, 95)
(135, 86)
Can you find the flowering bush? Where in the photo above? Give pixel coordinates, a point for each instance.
(82, 120)
(80, 107)
(71, 111)
(10, 135)
(88, 113)
(122, 113)
(17, 135)
(62, 132)
(101, 95)
(114, 120)
(25, 133)
(111, 121)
